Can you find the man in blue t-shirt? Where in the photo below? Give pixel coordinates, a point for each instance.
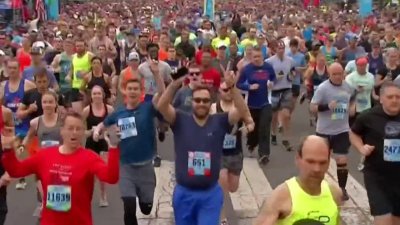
(257, 78)
(135, 123)
(198, 140)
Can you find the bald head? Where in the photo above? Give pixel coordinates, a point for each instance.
(336, 73)
(335, 68)
(313, 143)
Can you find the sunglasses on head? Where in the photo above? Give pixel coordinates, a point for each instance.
(203, 100)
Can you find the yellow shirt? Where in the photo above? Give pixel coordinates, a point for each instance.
(322, 208)
(247, 41)
(81, 66)
(217, 41)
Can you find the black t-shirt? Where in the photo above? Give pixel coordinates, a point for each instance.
(385, 71)
(34, 96)
(382, 131)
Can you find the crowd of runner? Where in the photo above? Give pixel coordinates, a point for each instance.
(165, 66)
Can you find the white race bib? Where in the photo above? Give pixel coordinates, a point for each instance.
(391, 150)
(49, 143)
(127, 126)
(229, 141)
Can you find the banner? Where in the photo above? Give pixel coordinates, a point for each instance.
(365, 7)
(209, 7)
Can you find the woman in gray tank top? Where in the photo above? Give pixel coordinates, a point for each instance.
(47, 128)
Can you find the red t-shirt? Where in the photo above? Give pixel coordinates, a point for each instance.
(212, 78)
(66, 177)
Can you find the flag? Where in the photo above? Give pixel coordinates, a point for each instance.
(365, 8)
(41, 12)
(209, 8)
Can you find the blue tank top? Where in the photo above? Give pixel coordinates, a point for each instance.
(12, 100)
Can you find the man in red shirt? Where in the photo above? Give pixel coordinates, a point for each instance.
(66, 172)
(211, 76)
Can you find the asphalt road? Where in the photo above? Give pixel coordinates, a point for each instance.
(280, 168)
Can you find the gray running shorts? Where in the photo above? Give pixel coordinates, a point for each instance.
(138, 181)
(233, 163)
(282, 99)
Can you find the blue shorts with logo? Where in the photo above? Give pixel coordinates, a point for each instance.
(197, 207)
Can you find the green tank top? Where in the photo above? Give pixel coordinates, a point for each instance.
(65, 67)
(322, 208)
(81, 67)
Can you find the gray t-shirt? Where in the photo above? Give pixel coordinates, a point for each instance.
(334, 121)
(183, 99)
(283, 69)
(150, 86)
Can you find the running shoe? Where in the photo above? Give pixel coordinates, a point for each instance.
(224, 222)
(273, 140)
(345, 196)
(263, 160)
(103, 203)
(303, 97)
(21, 185)
(157, 161)
(287, 146)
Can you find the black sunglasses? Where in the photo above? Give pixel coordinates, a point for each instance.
(203, 100)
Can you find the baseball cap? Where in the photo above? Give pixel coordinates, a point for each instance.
(39, 44)
(362, 61)
(221, 45)
(36, 50)
(133, 56)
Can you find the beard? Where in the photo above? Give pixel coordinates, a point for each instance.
(200, 115)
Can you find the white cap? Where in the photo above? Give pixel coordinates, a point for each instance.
(133, 56)
(39, 44)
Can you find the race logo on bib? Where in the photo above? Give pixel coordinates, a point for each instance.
(391, 142)
(199, 164)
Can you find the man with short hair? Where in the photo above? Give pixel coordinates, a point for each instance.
(135, 121)
(307, 196)
(198, 197)
(376, 135)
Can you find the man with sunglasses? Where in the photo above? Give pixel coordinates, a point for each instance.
(183, 97)
(198, 197)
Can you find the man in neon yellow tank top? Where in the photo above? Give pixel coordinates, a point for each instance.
(81, 65)
(307, 196)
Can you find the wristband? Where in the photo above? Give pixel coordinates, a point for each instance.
(323, 108)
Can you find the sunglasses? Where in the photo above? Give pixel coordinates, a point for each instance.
(202, 100)
(225, 89)
(194, 73)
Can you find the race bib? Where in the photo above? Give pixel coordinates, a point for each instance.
(79, 74)
(127, 126)
(340, 112)
(361, 104)
(229, 141)
(59, 198)
(199, 164)
(49, 143)
(391, 150)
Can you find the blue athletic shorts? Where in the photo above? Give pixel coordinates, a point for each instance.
(197, 207)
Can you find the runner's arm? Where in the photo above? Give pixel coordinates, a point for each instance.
(16, 168)
(7, 117)
(240, 110)
(160, 87)
(120, 82)
(109, 172)
(271, 210)
(164, 104)
(31, 132)
(56, 63)
(85, 114)
(70, 76)
(113, 69)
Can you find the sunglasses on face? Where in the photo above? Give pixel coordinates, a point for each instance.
(202, 100)
(194, 73)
